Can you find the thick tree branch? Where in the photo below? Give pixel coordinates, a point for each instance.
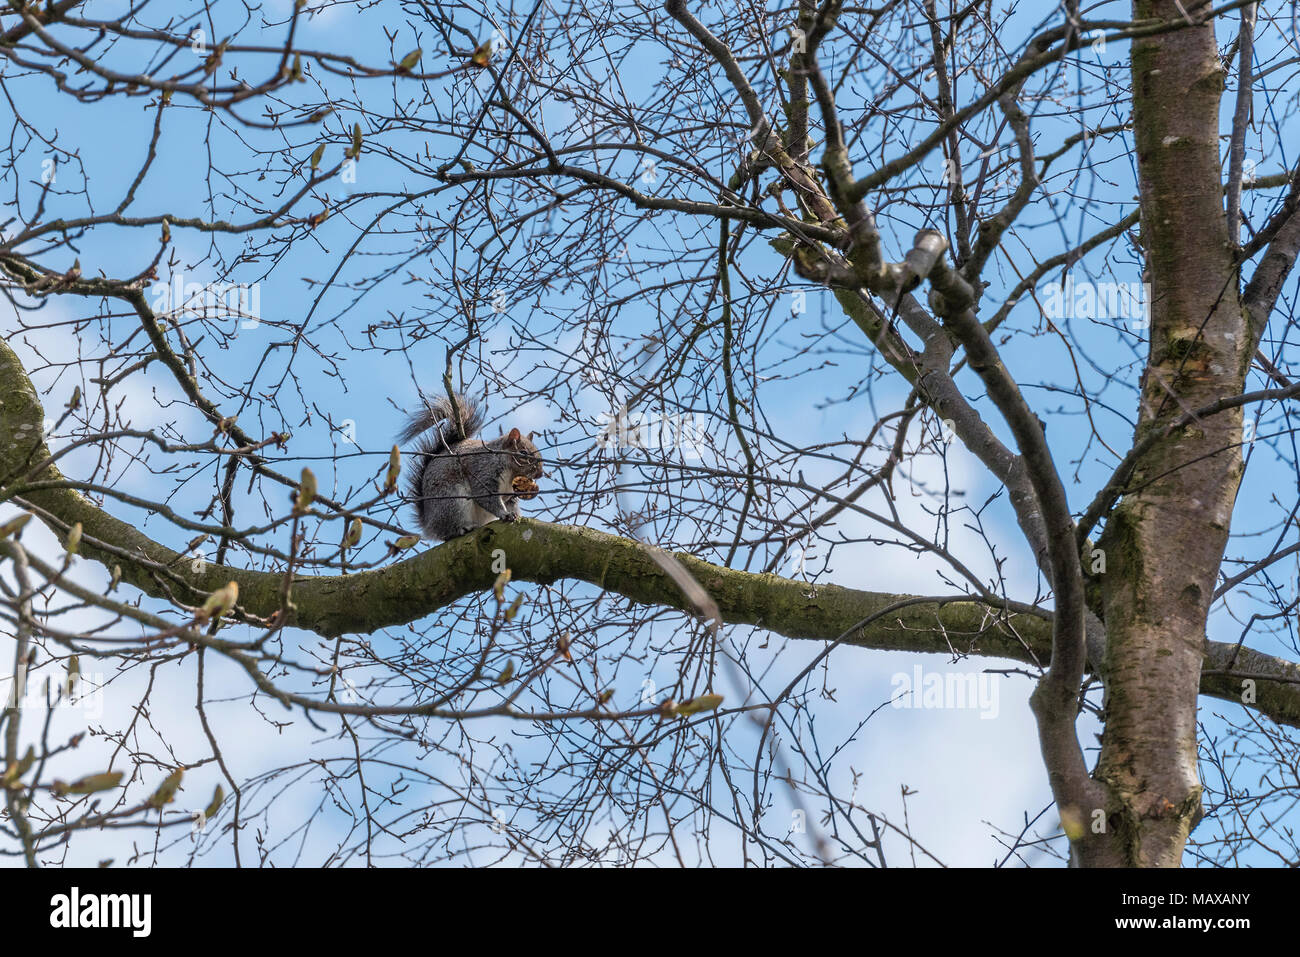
(543, 553)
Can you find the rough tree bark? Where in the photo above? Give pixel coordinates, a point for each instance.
(1165, 541)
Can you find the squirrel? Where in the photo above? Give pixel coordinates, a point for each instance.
(460, 482)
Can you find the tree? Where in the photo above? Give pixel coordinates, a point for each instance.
(612, 222)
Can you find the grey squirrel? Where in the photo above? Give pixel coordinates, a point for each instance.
(458, 481)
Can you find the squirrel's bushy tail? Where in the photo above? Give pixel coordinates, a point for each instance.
(437, 427)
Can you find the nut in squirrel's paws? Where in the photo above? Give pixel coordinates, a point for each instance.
(524, 487)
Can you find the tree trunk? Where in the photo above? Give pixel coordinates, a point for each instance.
(1164, 543)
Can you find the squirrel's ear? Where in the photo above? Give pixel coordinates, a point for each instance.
(530, 436)
(513, 436)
